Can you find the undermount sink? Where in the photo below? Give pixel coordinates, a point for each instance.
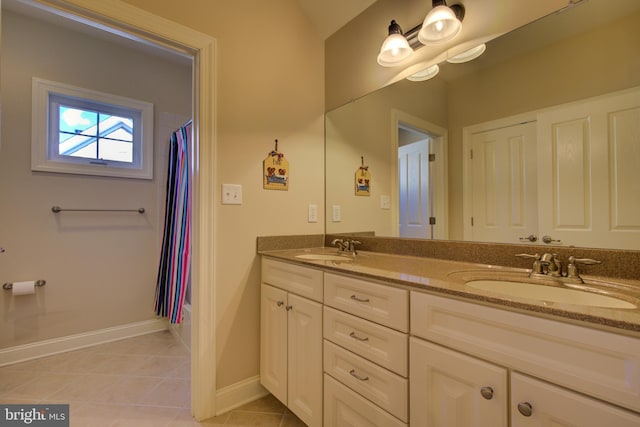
(322, 257)
(549, 293)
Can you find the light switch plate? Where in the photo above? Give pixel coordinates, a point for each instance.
(231, 194)
(336, 213)
(385, 202)
(313, 213)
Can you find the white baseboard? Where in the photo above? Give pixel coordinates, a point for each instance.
(21, 353)
(238, 394)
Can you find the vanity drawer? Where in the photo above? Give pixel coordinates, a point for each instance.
(344, 407)
(382, 387)
(302, 281)
(379, 303)
(384, 346)
(599, 363)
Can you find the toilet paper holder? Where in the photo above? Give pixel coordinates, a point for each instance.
(9, 286)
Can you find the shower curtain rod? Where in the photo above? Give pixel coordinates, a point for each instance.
(56, 209)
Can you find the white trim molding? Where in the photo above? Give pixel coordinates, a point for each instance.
(236, 395)
(128, 21)
(22, 353)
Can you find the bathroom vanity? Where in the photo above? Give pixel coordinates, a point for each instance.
(386, 340)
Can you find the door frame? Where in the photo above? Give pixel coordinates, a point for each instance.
(440, 190)
(136, 24)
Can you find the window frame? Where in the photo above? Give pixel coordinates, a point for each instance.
(46, 99)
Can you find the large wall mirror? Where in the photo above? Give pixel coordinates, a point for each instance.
(536, 141)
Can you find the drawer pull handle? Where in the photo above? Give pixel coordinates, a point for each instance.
(356, 376)
(288, 307)
(525, 409)
(280, 303)
(355, 298)
(356, 337)
(487, 392)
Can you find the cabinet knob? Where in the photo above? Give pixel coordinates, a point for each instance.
(549, 239)
(525, 409)
(288, 307)
(487, 392)
(280, 303)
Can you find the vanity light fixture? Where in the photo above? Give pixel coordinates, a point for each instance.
(468, 55)
(395, 47)
(442, 23)
(425, 74)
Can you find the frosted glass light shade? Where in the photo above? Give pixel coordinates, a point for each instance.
(468, 55)
(440, 25)
(426, 74)
(394, 50)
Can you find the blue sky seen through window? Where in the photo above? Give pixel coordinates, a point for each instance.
(95, 135)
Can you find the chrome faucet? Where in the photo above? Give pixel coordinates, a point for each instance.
(551, 265)
(548, 266)
(346, 246)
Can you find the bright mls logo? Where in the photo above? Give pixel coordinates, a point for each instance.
(34, 415)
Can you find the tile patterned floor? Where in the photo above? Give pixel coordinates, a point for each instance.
(137, 382)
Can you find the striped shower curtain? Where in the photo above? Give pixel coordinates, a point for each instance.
(175, 260)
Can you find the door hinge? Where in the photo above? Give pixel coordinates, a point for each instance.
(472, 221)
(471, 154)
(432, 220)
(432, 157)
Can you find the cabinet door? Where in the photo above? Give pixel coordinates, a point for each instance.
(450, 389)
(588, 176)
(539, 404)
(305, 359)
(273, 341)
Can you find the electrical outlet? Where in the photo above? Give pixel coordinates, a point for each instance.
(336, 213)
(313, 213)
(231, 194)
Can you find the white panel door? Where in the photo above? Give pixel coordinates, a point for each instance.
(305, 359)
(536, 403)
(450, 389)
(413, 179)
(273, 341)
(588, 174)
(504, 184)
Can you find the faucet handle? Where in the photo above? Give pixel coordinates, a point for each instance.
(572, 268)
(352, 246)
(537, 267)
(536, 256)
(584, 261)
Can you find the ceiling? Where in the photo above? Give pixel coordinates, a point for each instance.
(330, 15)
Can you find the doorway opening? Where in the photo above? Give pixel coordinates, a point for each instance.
(420, 177)
(137, 27)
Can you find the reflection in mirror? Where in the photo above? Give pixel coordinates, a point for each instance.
(566, 177)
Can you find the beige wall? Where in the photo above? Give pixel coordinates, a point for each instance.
(350, 65)
(100, 268)
(364, 128)
(269, 85)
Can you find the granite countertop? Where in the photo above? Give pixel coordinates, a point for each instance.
(448, 278)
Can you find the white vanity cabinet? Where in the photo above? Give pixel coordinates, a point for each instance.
(560, 374)
(365, 353)
(291, 337)
(449, 388)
